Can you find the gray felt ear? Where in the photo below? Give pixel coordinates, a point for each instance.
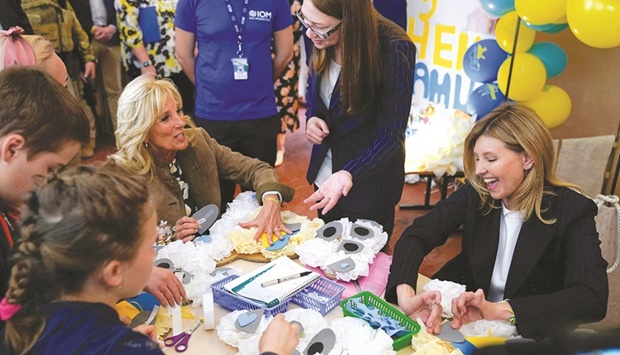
(344, 265)
(330, 231)
(351, 246)
(301, 328)
(248, 322)
(450, 334)
(322, 343)
(361, 232)
(293, 226)
(206, 216)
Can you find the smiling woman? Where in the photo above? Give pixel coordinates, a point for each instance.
(184, 165)
(156, 139)
(530, 247)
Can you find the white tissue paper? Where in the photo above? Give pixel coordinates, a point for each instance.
(321, 253)
(435, 139)
(229, 334)
(355, 336)
(312, 322)
(192, 258)
(448, 290)
(496, 328)
(243, 209)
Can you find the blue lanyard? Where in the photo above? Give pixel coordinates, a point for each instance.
(239, 25)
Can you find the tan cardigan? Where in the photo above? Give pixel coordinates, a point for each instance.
(203, 163)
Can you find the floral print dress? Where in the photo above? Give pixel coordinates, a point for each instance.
(285, 87)
(160, 52)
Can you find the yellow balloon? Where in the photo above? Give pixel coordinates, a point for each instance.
(562, 20)
(527, 80)
(505, 33)
(540, 12)
(595, 22)
(553, 105)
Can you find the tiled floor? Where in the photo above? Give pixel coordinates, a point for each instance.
(293, 173)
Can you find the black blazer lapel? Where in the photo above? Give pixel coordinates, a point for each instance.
(484, 249)
(533, 240)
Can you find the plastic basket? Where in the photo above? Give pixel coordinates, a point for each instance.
(237, 303)
(326, 289)
(370, 299)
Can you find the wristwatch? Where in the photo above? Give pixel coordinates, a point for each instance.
(146, 64)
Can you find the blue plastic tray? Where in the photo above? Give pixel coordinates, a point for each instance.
(325, 288)
(237, 303)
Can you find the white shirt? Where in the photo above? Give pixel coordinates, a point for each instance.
(509, 228)
(328, 83)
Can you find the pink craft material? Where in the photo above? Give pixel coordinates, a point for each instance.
(376, 280)
(7, 310)
(17, 51)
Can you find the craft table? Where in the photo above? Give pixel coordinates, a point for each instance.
(206, 341)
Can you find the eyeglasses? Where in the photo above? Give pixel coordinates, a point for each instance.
(323, 35)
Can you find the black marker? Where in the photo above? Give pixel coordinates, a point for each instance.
(285, 278)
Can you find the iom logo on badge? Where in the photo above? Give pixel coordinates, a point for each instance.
(260, 15)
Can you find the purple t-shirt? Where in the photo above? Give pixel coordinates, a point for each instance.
(218, 95)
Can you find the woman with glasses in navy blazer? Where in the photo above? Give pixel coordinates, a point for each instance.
(358, 102)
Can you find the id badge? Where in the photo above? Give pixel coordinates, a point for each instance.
(240, 68)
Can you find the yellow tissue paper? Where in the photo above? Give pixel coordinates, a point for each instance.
(424, 343)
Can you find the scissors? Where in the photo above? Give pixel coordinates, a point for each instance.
(180, 340)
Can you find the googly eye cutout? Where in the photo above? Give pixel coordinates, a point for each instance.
(164, 263)
(361, 232)
(323, 342)
(330, 231)
(185, 276)
(351, 247)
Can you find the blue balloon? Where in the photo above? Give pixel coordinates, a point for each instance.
(497, 7)
(482, 60)
(548, 28)
(484, 99)
(553, 57)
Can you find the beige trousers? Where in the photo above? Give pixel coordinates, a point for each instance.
(108, 82)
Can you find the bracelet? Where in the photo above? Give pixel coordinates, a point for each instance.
(272, 199)
(511, 319)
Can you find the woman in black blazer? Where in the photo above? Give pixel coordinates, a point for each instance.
(530, 250)
(358, 102)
